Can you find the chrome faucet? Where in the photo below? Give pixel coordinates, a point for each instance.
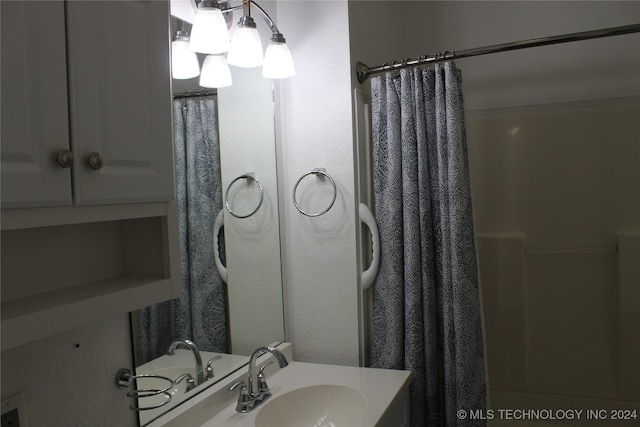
(256, 391)
(196, 353)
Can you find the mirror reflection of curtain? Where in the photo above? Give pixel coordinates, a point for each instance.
(200, 314)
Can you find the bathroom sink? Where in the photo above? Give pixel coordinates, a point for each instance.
(319, 405)
(304, 395)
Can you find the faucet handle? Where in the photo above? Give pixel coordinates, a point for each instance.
(263, 388)
(244, 399)
(210, 368)
(237, 384)
(191, 383)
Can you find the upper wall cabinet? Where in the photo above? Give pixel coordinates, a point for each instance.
(35, 126)
(120, 99)
(86, 104)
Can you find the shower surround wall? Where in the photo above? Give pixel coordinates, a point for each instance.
(557, 206)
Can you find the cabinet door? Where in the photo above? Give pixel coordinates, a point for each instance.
(34, 104)
(120, 100)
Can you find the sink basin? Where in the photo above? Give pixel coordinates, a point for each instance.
(323, 405)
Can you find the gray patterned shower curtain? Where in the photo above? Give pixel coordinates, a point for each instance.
(200, 314)
(426, 314)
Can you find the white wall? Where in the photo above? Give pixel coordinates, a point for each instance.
(69, 379)
(320, 265)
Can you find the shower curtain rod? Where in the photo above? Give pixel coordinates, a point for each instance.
(364, 71)
(195, 94)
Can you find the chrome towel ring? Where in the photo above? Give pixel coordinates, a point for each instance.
(317, 171)
(250, 176)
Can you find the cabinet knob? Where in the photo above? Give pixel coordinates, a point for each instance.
(65, 158)
(95, 161)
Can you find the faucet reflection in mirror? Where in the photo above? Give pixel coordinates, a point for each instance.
(196, 354)
(210, 36)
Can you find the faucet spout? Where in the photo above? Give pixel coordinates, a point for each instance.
(196, 354)
(253, 376)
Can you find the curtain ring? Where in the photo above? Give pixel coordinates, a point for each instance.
(249, 177)
(317, 171)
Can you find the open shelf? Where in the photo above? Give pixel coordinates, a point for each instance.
(30, 318)
(13, 219)
(59, 277)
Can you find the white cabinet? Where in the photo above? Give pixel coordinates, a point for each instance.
(120, 100)
(116, 106)
(35, 123)
(81, 244)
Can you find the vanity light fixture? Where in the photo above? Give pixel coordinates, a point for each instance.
(210, 35)
(278, 62)
(184, 62)
(246, 48)
(215, 72)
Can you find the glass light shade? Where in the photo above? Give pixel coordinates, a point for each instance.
(246, 48)
(215, 72)
(184, 62)
(209, 33)
(278, 63)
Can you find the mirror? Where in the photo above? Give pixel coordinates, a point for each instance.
(236, 125)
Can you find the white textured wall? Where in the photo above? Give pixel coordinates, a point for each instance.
(69, 379)
(320, 266)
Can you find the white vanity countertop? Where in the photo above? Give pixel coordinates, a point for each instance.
(215, 407)
(378, 386)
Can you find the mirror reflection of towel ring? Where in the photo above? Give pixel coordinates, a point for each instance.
(318, 171)
(249, 177)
